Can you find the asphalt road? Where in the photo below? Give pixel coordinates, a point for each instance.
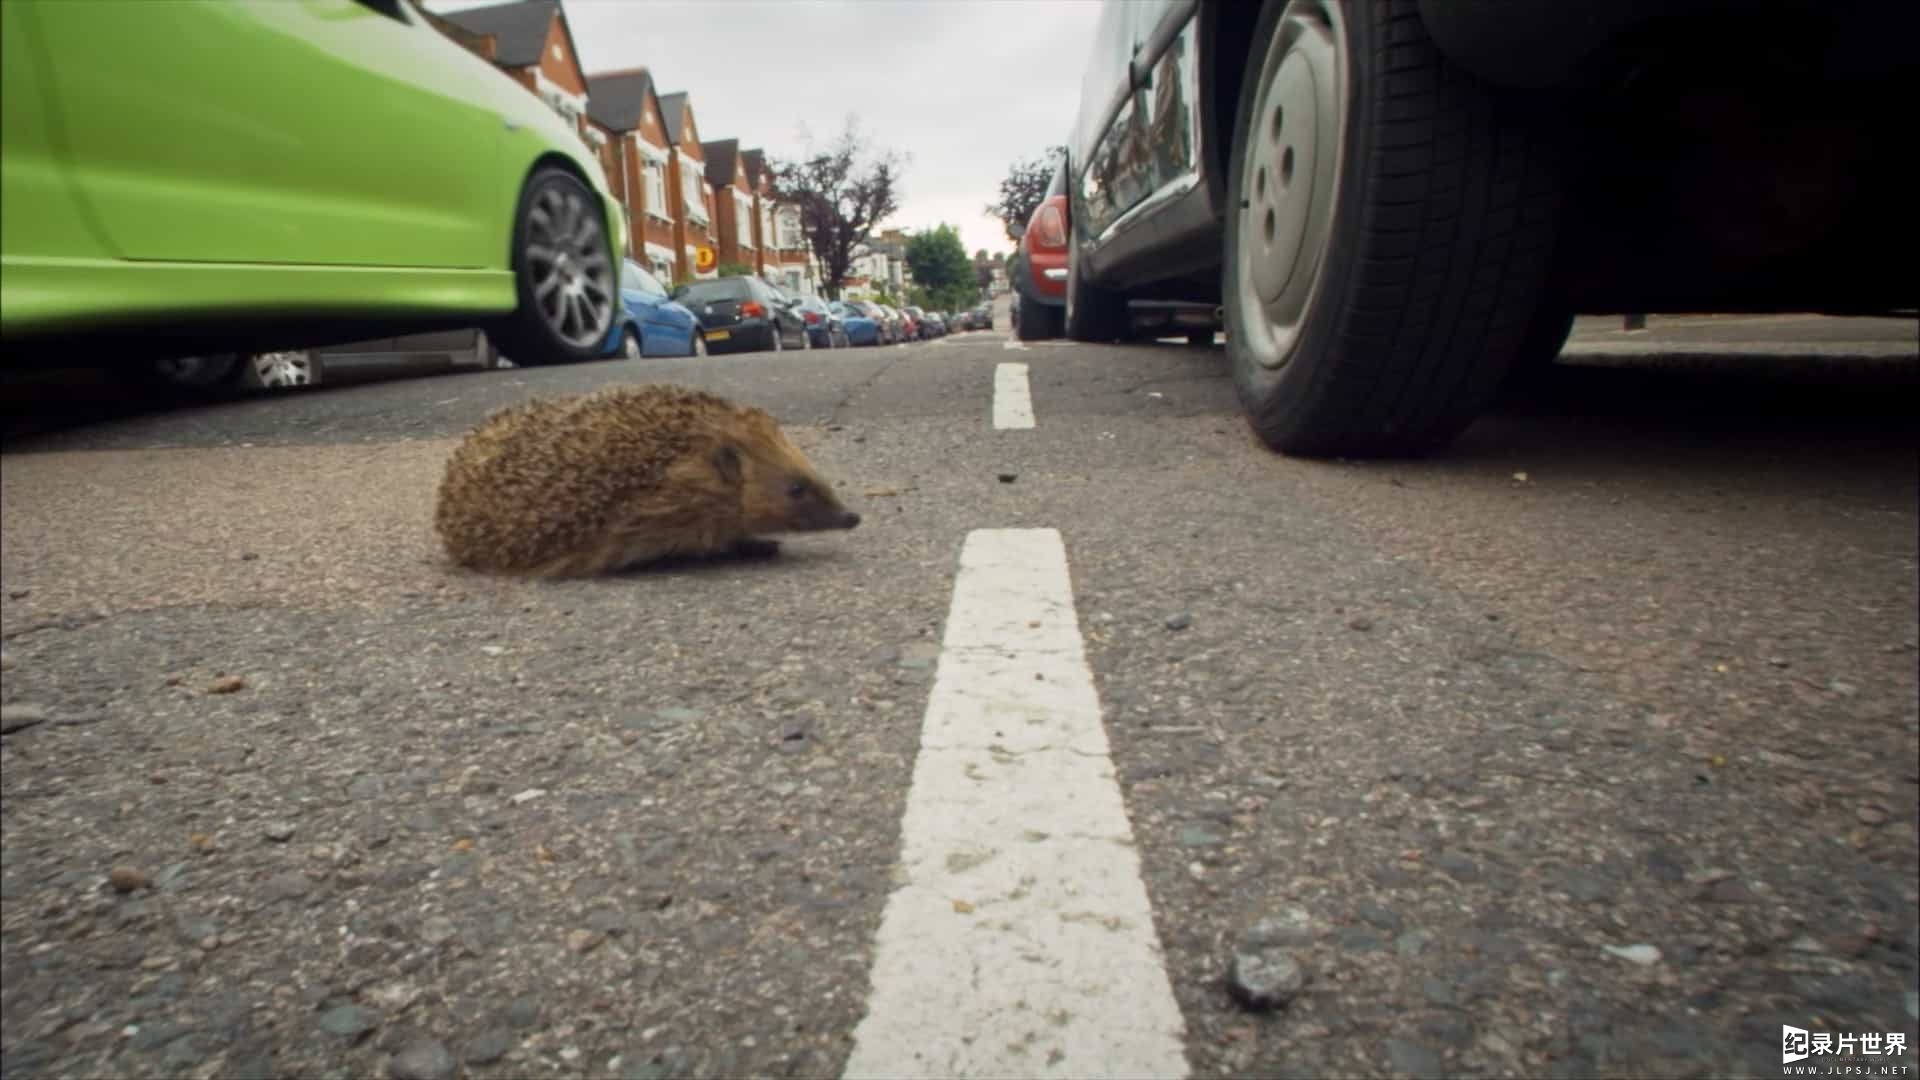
(1585, 748)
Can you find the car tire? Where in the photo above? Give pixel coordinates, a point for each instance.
(1039, 322)
(284, 369)
(1202, 338)
(699, 347)
(487, 356)
(193, 374)
(565, 308)
(1092, 314)
(779, 340)
(630, 345)
(1386, 242)
(806, 342)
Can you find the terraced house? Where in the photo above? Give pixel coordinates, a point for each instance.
(625, 105)
(780, 246)
(694, 212)
(733, 203)
(530, 41)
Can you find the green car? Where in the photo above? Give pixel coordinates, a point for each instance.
(180, 177)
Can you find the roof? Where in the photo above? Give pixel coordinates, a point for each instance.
(673, 109)
(520, 28)
(617, 99)
(756, 162)
(721, 157)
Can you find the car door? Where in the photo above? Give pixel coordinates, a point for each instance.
(661, 320)
(330, 132)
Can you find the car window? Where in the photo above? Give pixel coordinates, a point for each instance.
(630, 277)
(704, 292)
(648, 283)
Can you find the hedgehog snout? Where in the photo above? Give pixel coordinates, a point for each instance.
(849, 519)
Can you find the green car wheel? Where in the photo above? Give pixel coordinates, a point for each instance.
(562, 272)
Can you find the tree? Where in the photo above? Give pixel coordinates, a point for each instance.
(1024, 188)
(842, 192)
(941, 268)
(734, 269)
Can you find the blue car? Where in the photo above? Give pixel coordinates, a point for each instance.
(653, 323)
(861, 330)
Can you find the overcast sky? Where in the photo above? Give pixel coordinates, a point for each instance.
(964, 87)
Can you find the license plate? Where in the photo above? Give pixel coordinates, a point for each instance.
(719, 335)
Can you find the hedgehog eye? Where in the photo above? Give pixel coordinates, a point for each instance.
(797, 489)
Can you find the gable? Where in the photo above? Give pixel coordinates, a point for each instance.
(558, 61)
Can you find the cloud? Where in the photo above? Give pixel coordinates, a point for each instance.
(963, 87)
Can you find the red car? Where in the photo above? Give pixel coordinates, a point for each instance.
(1040, 273)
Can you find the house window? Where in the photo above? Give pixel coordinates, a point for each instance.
(692, 190)
(743, 219)
(657, 189)
(790, 233)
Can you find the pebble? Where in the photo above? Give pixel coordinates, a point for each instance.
(584, 941)
(1007, 477)
(1265, 977)
(527, 796)
(1360, 623)
(1381, 917)
(1414, 1059)
(126, 879)
(1871, 815)
(1643, 955)
(279, 831)
(288, 886)
(425, 1059)
(1412, 943)
(1196, 836)
(349, 1020)
(1290, 925)
(437, 930)
(524, 1012)
(1727, 891)
(1179, 621)
(227, 684)
(487, 1047)
(20, 716)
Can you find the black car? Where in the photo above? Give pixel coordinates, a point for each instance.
(744, 314)
(824, 328)
(1398, 204)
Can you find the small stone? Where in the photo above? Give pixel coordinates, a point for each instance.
(227, 684)
(425, 1059)
(1360, 623)
(126, 879)
(1412, 1058)
(1412, 943)
(523, 1013)
(1289, 925)
(1179, 621)
(487, 1047)
(1384, 918)
(1457, 866)
(349, 1020)
(1871, 815)
(1007, 477)
(527, 796)
(1727, 891)
(584, 941)
(291, 885)
(1198, 836)
(278, 831)
(1643, 955)
(19, 716)
(1265, 977)
(437, 930)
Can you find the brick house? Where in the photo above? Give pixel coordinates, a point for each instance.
(625, 105)
(785, 258)
(530, 41)
(693, 211)
(732, 202)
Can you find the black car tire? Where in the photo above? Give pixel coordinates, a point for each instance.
(1092, 314)
(527, 335)
(630, 345)
(192, 375)
(1438, 204)
(1040, 322)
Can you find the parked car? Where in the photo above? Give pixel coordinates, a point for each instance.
(983, 316)
(858, 320)
(937, 323)
(1039, 269)
(1397, 205)
(920, 331)
(407, 186)
(742, 314)
(895, 323)
(652, 322)
(825, 326)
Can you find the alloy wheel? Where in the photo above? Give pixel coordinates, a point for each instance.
(572, 276)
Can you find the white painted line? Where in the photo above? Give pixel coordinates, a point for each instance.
(1012, 400)
(1012, 345)
(1020, 940)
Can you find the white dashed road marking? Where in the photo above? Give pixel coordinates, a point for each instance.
(1019, 940)
(1013, 345)
(1012, 400)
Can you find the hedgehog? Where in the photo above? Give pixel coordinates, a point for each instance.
(596, 483)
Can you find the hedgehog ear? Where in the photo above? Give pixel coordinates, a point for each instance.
(726, 462)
